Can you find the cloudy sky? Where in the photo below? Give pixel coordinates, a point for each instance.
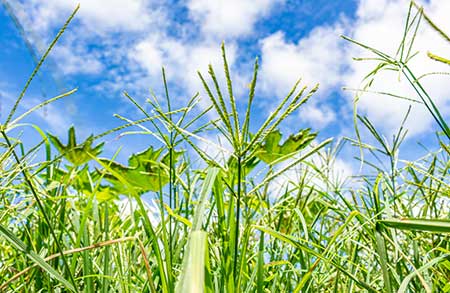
(117, 45)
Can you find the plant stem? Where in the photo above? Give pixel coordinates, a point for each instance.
(238, 214)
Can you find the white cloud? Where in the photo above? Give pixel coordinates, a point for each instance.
(181, 60)
(314, 58)
(107, 35)
(138, 31)
(332, 173)
(77, 60)
(95, 15)
(96, 37)
(380, 24)
(148, 55)
(319, 116)
(322, 57)
(57, 121)
(229, 18)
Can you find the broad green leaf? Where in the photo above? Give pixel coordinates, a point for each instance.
(87, 182)
(105, 193)
(146, 171)
(247, 167)
(84, 181)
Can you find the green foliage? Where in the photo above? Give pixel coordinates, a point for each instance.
(270, 150)
(179, 219)
(22, 247)
(77, 154)
(400, 61)
(429, 225)
(146, 171)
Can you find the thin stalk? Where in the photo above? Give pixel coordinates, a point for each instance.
(427, 101)
(170, 146)
(238, 214)
(38, 66)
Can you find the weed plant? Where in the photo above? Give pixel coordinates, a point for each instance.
(76, 221)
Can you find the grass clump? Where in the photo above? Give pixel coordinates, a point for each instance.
(76, 221)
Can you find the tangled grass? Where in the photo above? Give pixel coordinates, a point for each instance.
(75, 221)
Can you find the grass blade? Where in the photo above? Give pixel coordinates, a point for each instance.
(425, 225)
(18, 244)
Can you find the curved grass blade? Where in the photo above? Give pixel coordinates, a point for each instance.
(295, 243)
(407, 280)
(18, 244)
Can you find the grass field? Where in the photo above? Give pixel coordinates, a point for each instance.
(264, 215)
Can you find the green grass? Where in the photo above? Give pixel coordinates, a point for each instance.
(225, 225)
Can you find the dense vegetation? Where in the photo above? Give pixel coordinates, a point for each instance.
(75, 221)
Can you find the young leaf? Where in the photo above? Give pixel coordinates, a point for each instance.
(75, 153)
(270, 150)
(146, 171)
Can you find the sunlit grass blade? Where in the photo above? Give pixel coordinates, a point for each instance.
(193, 267)
(192, 278)
(147, 225)
(438, 58)
(425, 225)
(289, 240)
(383, 258)
(406, 281)
(22, 247)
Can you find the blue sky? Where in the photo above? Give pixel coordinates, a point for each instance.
(117, 45)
